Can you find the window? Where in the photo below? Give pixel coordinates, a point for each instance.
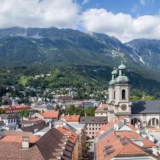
(114, 94)
(123, 94)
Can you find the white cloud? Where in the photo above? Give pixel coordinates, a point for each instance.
(145, 2)
(85, 1)
(120, 25)
(35, 13)
(135, 8)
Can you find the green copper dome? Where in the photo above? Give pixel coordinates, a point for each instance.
(112, 83)
(122, 66)
(122, 80)
(114, 72)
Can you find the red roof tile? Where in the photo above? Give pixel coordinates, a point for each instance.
(71, 118)
(50, 114)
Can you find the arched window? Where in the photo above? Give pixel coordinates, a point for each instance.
(123, 72)
(123, 94)
(114, 94)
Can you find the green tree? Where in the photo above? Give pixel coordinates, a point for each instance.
(89, 111)
(149, 98)
(25, 113)
(134, 98)
(57, 107)
(2, 111)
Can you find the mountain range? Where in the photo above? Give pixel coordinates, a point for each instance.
(55, 46)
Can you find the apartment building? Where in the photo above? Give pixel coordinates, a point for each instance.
(92, 124)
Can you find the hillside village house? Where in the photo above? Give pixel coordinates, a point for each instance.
(70, 118)
(47, 116)
(16, 108)
(10, 121)
(102, 110)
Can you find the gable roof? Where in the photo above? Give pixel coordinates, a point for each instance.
(102, 108)
(13, 150)
(50, 114)
(113, 146)
(47, 147)
(129, 134)
(50, 144)
(32, 139)
(35, 127)
(71, 118)
(16, 133)
(8, 116)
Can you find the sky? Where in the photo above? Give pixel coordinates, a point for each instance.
(123, 19)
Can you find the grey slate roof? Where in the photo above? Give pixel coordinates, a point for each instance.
(8, 116)
(145, 107)
(93, 120)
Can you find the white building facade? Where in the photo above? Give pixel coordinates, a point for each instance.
(141, 113)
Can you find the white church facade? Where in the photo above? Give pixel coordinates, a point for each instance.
(142, 113)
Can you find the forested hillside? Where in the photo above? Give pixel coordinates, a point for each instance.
(86, 79)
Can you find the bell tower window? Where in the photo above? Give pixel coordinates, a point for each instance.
(123, 94)
(123, 72)
(114, 94)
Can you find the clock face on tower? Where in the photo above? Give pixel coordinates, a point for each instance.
(123, 107)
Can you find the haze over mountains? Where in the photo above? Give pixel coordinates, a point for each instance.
(72, 47)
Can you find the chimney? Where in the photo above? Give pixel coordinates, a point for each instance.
(25, 143)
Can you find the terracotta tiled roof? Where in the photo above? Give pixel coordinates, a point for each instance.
(13, 150)
(116, 146)
(102, 108)
(129, 134)
(18, 108)
(47, 147)
(50, 114)
(35, 119)
(72, 135)
(54, 139)
(132, 127)
(148, 144)
(17, 133)
(33, 139)
(131, 149)
(71, 118)
(103, 127)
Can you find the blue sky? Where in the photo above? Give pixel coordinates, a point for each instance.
(123, 19)
(133, 7)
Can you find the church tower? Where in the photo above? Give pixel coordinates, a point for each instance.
(122, 94)
(119, 95)
(112, 85)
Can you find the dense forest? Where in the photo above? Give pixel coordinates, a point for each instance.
(85, 79)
